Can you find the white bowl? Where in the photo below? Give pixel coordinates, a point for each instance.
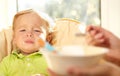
(66, 56)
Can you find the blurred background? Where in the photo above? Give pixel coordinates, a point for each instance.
(81, 10)
(104, 13)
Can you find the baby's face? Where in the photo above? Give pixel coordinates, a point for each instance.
(27, 31)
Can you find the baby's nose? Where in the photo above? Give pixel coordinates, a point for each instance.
(29, 34)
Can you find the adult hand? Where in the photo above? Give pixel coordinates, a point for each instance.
(101, 37)
(106, 69)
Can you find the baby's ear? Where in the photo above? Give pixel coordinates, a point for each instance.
(13, 43)
(14, 39)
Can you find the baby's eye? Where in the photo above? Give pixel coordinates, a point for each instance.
(38, 31)
(22, 30)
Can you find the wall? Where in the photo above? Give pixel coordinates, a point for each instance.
(111, 15)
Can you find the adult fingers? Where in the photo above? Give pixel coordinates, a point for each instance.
(92, 71)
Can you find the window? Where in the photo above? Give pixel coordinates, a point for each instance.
(87, 11)
(7, 12)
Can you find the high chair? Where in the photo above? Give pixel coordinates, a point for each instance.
(66, 30)
(5, 42)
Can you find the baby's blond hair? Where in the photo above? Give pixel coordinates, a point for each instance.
(44, 23)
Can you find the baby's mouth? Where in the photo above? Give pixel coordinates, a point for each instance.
(29, 41)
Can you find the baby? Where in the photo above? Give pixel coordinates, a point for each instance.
(26, 59)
